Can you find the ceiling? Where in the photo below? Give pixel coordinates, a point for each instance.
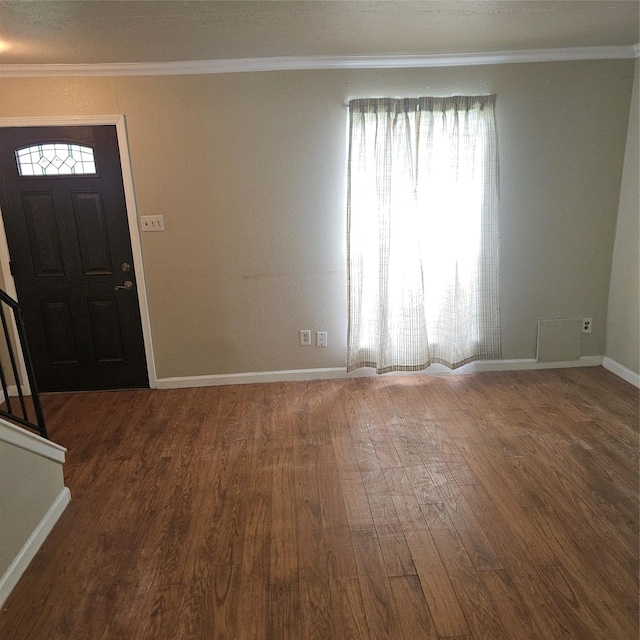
(99, 31)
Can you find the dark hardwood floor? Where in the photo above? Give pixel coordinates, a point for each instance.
(498, 506)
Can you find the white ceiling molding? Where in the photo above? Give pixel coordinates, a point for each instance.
(240, 65)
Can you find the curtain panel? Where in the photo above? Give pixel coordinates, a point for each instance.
(422, 232)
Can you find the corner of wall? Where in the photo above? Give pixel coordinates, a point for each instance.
(623, 312)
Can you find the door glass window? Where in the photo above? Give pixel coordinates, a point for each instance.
(55, 159)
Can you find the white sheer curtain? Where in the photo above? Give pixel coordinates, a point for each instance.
(422, 233)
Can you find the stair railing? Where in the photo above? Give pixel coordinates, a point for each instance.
(17, 411)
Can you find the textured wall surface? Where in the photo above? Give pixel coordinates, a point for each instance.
(623, 320)
(29, 485)
(249, 172)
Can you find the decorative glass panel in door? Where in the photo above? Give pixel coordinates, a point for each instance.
(55, 159)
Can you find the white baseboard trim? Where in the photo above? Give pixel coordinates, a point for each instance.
(19, 437)
(250, 378)
(530, 364)
(621, 371)
(13, 574)
(341, 372)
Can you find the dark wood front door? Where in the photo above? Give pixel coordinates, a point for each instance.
(70, 252)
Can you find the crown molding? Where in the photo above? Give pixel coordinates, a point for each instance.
(305, 63)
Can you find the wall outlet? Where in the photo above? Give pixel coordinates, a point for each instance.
(321, 338)
(586, 325)
(305, 337)
(152, 223)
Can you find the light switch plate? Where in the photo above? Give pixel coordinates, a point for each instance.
(152, 223)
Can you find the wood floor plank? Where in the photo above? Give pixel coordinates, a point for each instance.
(355, 498)
(285, 620)
(615, 584)
(315, 608)
(509, 605)
(335, 527)
(379, 607)
(284, 541)
(383, 444)
(587, 499)
(312, 555)
(341, 562)
(415, 618)
(568, 593)
(504, 494)
(257, 532)
(157, 616)
(349, 618)
(209, 601)
(396, 554)
(471, 533)
(552, 618)
(473, 599)
(254, 608)
(435, 580)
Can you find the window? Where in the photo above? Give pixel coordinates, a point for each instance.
(57, 158)
(422, 232)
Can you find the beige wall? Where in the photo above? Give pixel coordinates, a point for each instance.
(623, 320)
(29, 485)
(249, 172)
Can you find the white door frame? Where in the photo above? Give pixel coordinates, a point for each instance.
(132, 215)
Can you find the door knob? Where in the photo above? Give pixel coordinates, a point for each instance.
(127, 285)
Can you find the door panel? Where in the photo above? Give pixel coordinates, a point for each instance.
(42, 229)
(60, 335)
(92, 233)
(105, 325)
(68, 236)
